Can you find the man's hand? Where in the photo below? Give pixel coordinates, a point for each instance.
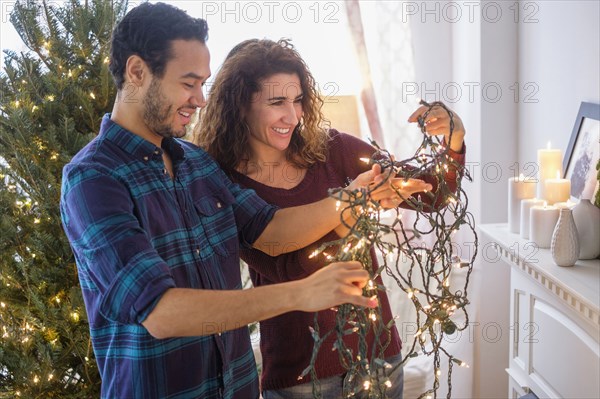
(388, 193)
(333, 285)
(181, 312)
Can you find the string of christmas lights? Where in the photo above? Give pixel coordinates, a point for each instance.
(439, 213)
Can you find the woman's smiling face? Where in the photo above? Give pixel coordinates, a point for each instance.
(274, 113)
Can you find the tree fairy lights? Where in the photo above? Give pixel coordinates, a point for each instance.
(51, 100)
(439, 214)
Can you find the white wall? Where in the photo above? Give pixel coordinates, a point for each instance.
(561, 54)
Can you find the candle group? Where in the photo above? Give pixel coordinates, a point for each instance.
(535, 218)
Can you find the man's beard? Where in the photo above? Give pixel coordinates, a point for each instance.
(157, 112)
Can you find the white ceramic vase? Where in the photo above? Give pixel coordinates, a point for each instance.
(587, 221)
(565, 243)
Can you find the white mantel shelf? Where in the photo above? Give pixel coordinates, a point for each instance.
(554, 318)
(577, 286)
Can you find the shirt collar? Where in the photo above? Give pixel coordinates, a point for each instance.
(136, 145)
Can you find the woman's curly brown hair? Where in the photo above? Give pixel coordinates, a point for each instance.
(222, 130)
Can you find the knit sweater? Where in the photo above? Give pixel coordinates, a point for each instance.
(286, 342)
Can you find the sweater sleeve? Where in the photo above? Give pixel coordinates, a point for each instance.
(290, 266)
(343, 163)
(456, 160)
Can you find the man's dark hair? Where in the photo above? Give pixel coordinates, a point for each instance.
(147, 31)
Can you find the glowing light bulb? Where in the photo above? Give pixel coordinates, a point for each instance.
(373, 316)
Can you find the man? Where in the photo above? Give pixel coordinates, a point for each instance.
(155, 227)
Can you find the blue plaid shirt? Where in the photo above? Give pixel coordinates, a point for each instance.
(135, 233)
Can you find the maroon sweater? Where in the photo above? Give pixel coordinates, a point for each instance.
(286, 343)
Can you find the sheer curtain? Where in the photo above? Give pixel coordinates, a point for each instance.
(383, 45)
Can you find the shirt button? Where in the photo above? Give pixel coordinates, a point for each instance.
(146, 159)
(218, 204)
(156, 152)
(164, 171)
(197, 251)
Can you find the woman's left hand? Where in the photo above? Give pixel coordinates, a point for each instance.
(437, 123)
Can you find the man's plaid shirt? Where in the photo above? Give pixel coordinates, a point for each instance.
(135, 233)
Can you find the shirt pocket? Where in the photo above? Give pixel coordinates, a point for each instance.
(217, 218)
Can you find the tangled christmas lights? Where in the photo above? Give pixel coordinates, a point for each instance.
(439, 214)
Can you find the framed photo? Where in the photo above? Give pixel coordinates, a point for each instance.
(583, 153)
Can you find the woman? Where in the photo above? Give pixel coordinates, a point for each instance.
(263, 124)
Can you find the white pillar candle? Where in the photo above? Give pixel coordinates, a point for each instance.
(541, 225)
(557, 190)
(526, 205)
(518, 188)
(549, 161)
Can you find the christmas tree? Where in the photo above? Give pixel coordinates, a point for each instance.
(52, 100)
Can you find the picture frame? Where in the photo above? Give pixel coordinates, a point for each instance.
(583, 151)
